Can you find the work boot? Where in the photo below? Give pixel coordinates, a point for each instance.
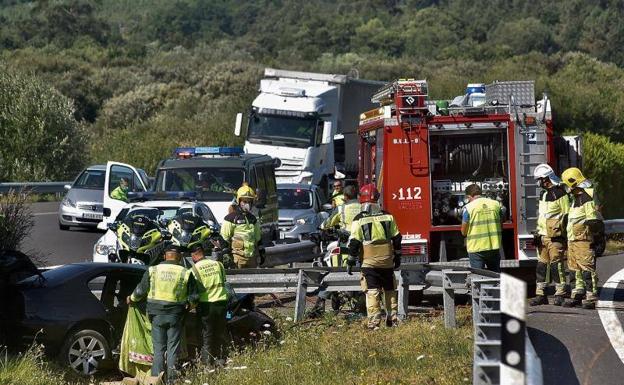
(539, 300)
(558, 300)
(589, 304)
(573, 301)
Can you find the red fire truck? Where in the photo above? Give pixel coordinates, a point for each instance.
(422, 154)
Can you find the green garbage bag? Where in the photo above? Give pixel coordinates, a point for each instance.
(136, 351)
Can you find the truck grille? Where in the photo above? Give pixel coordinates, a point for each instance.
(290, 168)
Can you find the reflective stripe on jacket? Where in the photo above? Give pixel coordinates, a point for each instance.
(484, 225)
(168, 284)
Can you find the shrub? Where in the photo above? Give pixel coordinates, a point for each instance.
(16, 220)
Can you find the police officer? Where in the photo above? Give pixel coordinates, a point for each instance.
(585, 232)
(121, 192)
(242, 231)
(482, 227)
(550, 235)
(376, 241)
(170, 291)
(337, 197)
(210, 277)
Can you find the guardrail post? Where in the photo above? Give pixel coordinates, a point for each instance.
(300, 296)
(404, 284)
(513, 331)
(448, 295)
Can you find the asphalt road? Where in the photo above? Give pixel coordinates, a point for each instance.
(50, 245)
(573, 344)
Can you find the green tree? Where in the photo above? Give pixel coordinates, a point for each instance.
(40, 138)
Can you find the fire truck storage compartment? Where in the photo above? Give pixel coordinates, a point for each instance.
(459, 159)
(455, 245)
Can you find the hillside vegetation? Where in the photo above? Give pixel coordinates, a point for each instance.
(148, 75)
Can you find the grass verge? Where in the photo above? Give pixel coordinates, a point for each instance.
(331, 350)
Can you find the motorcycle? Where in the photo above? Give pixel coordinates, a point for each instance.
(188, 230)
(140, 240)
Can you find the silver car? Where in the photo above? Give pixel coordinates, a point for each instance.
(82, 205)
(300, 210)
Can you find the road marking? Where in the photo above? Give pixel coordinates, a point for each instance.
(48, 213)
(608, 316)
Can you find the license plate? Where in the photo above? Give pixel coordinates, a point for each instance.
(92, 216)
(414, 259)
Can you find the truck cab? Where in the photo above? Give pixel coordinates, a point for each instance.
(212, 175)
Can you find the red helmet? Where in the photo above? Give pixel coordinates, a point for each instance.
(369, 193)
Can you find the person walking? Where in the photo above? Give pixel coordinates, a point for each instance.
(482, 227)
(170, 292)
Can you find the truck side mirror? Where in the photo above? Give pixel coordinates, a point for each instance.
(327, 132)
(239, 124)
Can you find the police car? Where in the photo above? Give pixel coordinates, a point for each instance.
(213, 174)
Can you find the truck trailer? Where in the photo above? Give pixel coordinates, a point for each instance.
(309, 121)
(423, 153)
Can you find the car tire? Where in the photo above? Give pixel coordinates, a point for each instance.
(63, 227)
(84, 351)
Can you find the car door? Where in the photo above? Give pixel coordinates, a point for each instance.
(114, 172)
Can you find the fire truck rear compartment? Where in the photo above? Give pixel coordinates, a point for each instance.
(459, 159)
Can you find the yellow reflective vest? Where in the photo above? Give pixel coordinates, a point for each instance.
(484, 225)
(168, 284)
(375, 232)
(583, 208)
(211, 275)
(343, 216)
(554, 205)
(337, 199)
(243, 232)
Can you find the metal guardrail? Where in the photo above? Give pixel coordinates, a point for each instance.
(502, 355)
(34, 187)
(614, 226)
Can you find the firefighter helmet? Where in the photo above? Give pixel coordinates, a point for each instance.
(545, 171)
(369, 193)
(572, 177)
(245, 192)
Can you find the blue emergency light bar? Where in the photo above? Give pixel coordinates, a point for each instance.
(188, 152)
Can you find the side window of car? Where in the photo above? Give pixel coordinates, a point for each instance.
(97, 285)
(252, 178)
(260, 179)
(119, 172)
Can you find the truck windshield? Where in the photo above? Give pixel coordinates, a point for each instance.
(294, 199)
(275, 129)
(212, 184)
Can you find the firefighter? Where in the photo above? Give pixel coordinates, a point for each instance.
(585, 231)
(170, 291)
(482, 227)
(550, 235)
(342, 218)
(242, 231)
(337, 197)
(376, 241)
(210, 276)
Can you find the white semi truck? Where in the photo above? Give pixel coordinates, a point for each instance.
(309, 121)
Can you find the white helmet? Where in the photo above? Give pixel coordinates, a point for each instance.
(545, 171)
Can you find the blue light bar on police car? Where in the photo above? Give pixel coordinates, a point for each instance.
(187, 152)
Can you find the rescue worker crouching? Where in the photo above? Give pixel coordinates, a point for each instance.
(550, 235)
(170, 291)
(376, 238)
(212, 308)
(585, 231)
(341, 218)
(242, 231)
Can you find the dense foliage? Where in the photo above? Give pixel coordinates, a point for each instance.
(147, 75)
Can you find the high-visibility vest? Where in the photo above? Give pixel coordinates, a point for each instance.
(243, 232)
(337, 199)
(554, 205)
(168, 284)
(212, 278)
(583, 208)
(347, 212)
(375, 232)
(484, 225)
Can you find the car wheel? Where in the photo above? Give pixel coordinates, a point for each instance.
(84, 351)
(63, 227)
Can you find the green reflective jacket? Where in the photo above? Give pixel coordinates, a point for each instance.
(554, 205)
(168, 284)
(211, 275)
(583, 208)
(119, 194)
(484, 225)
